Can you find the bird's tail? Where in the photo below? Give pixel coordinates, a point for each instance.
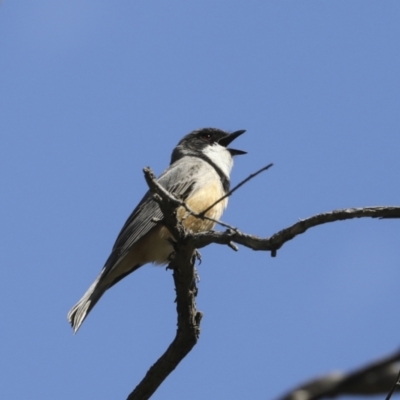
(81, 309)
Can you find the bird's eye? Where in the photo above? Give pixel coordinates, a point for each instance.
(206, 136)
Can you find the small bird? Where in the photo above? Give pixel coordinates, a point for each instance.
(198, 174)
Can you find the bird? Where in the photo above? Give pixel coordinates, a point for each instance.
(198, 174)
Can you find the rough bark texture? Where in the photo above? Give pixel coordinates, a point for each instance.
(373, 379)
(188, 329)
(184, 274)
(276, 241)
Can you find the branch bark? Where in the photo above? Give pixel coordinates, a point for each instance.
(277, 240)
(374, 378)
(188, 330)
(184, 275)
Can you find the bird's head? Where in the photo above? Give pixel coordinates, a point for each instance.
(210, 144)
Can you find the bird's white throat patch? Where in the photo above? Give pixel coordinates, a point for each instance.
(221, 157)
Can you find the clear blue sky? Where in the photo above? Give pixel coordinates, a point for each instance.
(93, 91)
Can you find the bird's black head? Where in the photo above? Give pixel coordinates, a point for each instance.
(202, 141)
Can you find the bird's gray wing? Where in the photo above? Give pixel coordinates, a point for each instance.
(178, 180)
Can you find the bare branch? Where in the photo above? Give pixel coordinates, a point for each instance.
(251, 176)
(188, 329)
(185, 285)
(168, 198)
(394, 387)
(167, 202)
(184, 275)
(277, 240)
(155, 187)
(372, 379)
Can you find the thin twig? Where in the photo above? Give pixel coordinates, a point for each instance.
(251, 176)
(156, 188)
(394, 387)
(216, 221)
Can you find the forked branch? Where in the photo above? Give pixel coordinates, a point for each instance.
(276, 241)
(184, 275)
(183, 266)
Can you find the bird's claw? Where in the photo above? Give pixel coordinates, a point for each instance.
(197, 256)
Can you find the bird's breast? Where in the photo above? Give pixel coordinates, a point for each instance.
(202, 197)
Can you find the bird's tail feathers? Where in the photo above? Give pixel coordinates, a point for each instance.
(81, 309)
(114, 270)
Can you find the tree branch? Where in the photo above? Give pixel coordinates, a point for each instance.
(184, 275)
(188, 329)
(251, 176)
(168, 198)
(277, 240)
(372, 379)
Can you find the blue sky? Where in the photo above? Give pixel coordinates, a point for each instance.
(93, 91)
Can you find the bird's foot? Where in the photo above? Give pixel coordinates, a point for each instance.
(197, 256)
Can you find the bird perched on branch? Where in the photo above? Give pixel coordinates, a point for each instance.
(198, 174)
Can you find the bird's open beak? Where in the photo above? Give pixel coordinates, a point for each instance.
(230, 138)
